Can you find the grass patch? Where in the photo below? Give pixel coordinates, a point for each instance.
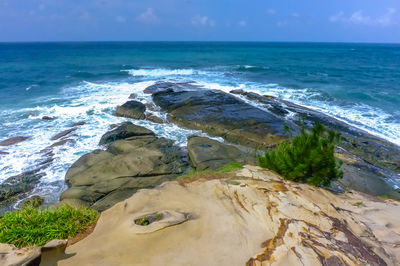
(233, 182)
(307, 158)
(30, 226)
(359, 204)
(384, 196)
(209, 174)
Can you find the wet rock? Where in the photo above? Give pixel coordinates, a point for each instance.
(60, 143)
(48, 118)
(63, 133)
(221, 114)
(123, 131)
(20, 183)
(205, 153)
(32, 202)
(155, 119)
(132, 96)
(4, 153)
(172, 86)
(12, 141)
(131, 109)
(81, 123)
(135, 158)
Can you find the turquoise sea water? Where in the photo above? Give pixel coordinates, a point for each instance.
(357, 83)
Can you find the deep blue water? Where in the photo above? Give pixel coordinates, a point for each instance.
(358, 83)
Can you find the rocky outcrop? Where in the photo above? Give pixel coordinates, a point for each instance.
(135, 158)
(251, 217)
(12, 141)
(221, 114)
(205, 153)
(372, 149)
(131, 109)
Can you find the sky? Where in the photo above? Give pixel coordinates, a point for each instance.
(200, 20)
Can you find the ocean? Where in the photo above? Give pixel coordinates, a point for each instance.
(75, 82)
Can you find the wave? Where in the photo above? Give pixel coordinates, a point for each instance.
(163, 72)
(92, 103)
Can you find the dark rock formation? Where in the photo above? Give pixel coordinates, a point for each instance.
(12, 141)
(205, 153)
(221, 114)
(48, 118)
(63, 133)
(131, 109)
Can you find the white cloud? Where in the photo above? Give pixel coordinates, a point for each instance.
(242, 23)
(203, 21)
(388, 18)
(359, 18)
(120, 19)
(147, 17)
(271, 11)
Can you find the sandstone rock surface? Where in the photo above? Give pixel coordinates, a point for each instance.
(260, 219)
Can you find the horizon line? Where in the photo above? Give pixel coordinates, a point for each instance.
(193, 41)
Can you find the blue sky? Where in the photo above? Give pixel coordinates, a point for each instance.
(200, 20)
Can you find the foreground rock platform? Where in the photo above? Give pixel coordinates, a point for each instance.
(253, 217)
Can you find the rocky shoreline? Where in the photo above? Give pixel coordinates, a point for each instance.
(129, 179)
(133, 157)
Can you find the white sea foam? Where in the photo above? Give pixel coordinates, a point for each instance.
(163, 72)
(89, 102)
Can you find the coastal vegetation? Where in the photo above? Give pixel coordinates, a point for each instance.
(31, 226)
(307, 157)
(209, 174)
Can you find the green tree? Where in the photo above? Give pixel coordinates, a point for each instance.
(307, 157)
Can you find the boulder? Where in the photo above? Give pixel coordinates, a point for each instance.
(123, 131)
(205, 153)
(135, 158)
(32, 202)
(12, 141)
(221, 114)
(131, 109)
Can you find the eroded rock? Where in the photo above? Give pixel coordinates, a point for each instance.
(263, 220)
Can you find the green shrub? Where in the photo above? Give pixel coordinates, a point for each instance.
(30, 226)
(308, 157)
